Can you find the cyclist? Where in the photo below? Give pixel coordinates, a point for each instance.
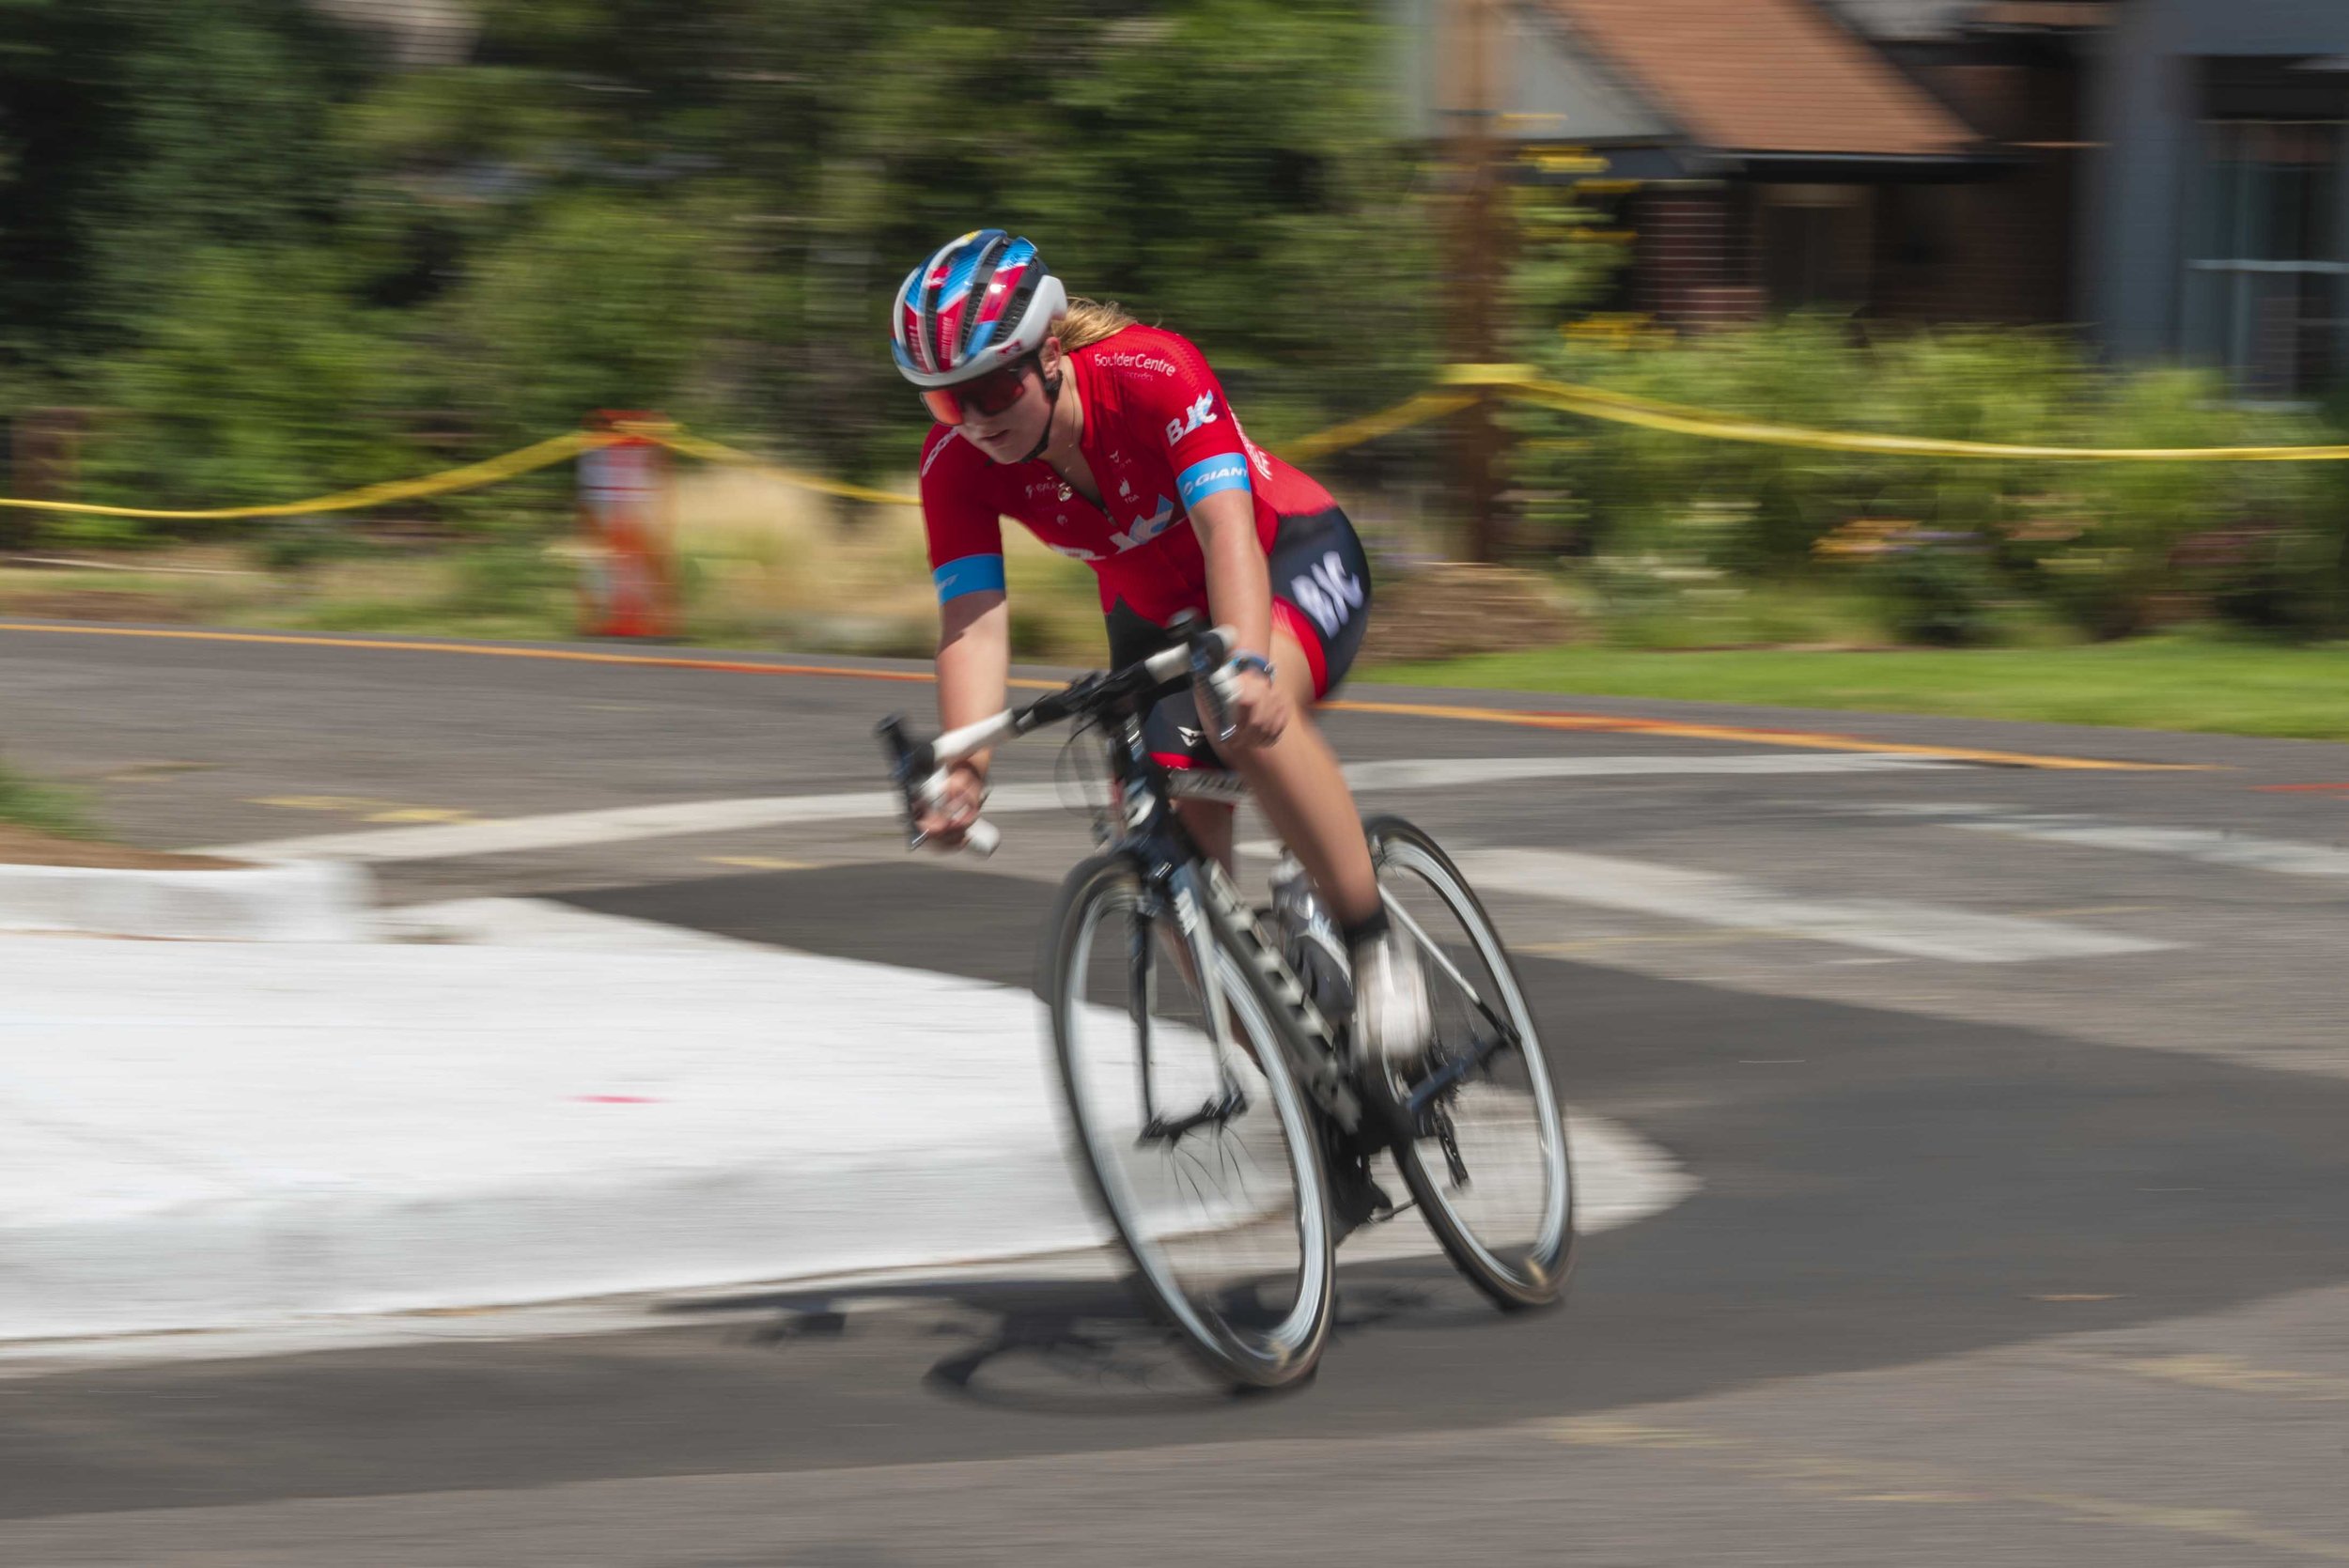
(1112, 443)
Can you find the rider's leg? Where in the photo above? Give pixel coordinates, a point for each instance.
(1296, 783)
(1209, 824)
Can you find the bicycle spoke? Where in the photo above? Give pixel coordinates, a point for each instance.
(1485, 1147)
(1197, 1153)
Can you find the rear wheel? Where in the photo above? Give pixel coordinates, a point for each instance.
(1202, 1153)
(1478, 1134)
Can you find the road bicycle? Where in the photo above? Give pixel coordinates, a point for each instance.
(1214, 1101)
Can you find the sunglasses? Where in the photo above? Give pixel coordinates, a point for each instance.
(989, 395)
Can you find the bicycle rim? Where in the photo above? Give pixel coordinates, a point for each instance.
(1486, 1159)
(1209, 1173)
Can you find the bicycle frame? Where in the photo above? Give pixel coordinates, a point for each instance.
(1181, 907)
(1175, 875)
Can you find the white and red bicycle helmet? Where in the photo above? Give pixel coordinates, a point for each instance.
(981, 302)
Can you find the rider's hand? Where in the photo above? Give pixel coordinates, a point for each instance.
(945, 819)
(1259, 711)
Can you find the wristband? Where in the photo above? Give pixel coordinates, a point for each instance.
(1255, 662)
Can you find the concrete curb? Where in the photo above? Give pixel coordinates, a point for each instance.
(287, 901)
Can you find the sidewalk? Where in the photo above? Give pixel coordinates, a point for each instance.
(551, 1105)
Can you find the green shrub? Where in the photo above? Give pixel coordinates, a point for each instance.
(43, 808)
(261, 386)
(511, 578)
(1939, 595)
(1952, 546)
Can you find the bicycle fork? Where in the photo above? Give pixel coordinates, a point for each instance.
(1229, 1101)
(1203, 903)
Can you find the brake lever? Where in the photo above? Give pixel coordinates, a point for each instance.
(981, 837)
(898, 745)
(1207, 671)
(920, 782)
(1222, 694)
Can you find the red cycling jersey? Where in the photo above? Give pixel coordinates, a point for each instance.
(1158, 435)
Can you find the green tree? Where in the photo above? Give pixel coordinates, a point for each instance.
(277, 258)
(136, 134)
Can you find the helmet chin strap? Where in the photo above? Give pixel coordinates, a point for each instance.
(1051, 402)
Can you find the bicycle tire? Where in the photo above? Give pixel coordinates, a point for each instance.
(1533, 1271)
(1231, 1339)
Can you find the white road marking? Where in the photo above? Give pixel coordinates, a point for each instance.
(572, 829)
(1711, 898)
(2284, 856)
(566, 1106)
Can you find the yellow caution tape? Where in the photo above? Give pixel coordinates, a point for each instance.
(1517, 382)
(1463, 384)
(1415, 409)
(1371, 426)
(489, 470)
(718, 452)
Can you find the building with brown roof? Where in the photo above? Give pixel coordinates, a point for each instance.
(1874, 155)
(2170, 176)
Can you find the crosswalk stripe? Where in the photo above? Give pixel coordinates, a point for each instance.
(2249, 851)
(572, 829)
(1898, 927)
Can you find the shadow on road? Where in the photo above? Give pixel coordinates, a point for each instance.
(1080, 1348)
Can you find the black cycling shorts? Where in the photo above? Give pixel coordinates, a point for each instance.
(1320, 595)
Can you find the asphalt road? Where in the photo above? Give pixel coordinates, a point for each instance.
(2017, 1096)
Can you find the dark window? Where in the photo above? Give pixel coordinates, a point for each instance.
(2267, 264)
(1815, 246)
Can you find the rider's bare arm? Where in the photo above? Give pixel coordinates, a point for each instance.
(1240, 592)
(973, 657)
(1239, 585)
(974, 676)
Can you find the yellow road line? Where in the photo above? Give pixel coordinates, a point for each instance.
(1879, 1481)
(1802, 740)
(365, 809)
(2219, 1373)
(1606, 724)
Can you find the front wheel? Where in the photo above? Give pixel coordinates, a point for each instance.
(1200, 1148)
(1478, 1134)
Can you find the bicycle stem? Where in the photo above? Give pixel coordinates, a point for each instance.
(919, 767)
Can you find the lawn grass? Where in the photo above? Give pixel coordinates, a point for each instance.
(43, 808)
(2181, 682)
(760, 565)
(873, 586)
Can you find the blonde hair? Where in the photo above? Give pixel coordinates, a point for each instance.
(1088, 321)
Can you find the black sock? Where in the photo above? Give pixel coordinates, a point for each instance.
(1366, 930)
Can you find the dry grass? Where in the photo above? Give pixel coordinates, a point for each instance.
(767, 562)
(24, 846)
(762, 564)
(190, 584)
